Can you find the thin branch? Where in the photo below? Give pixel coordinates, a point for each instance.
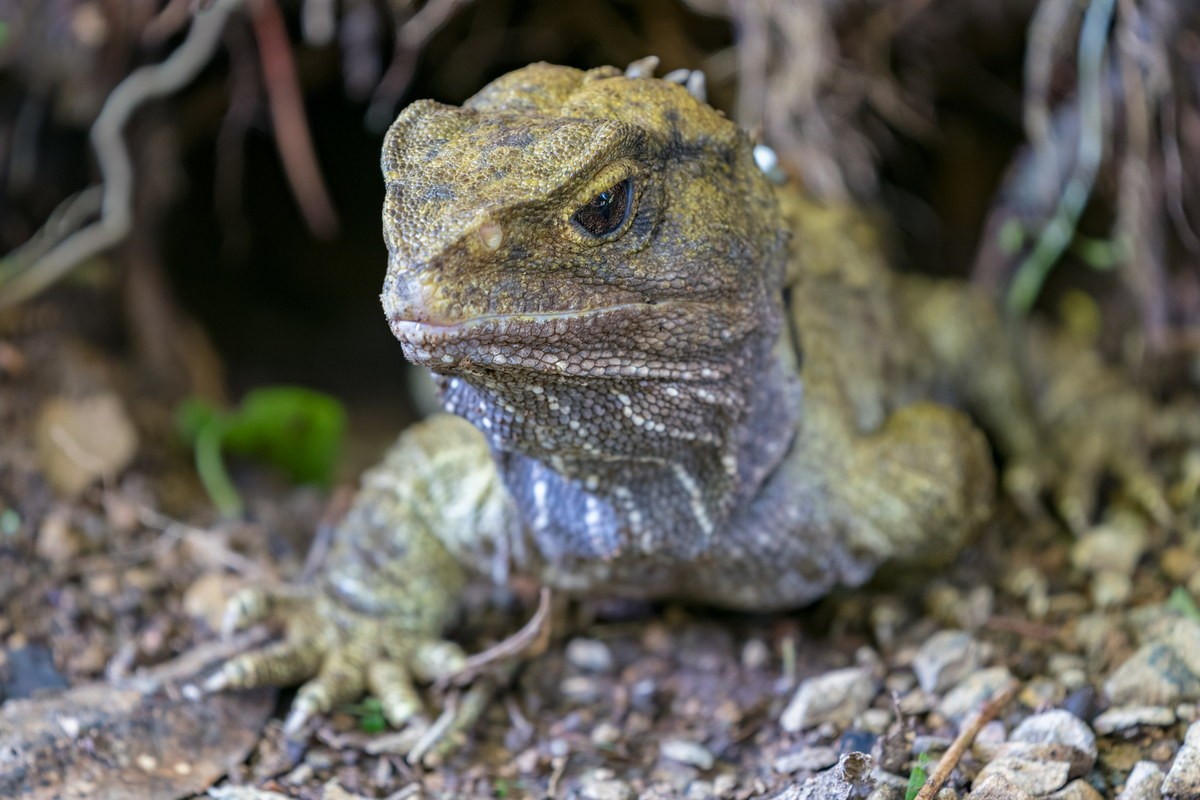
(961, 742)
(1058, 232)
(410, 36)
(292, 135)
(21, 277)
(533, 633)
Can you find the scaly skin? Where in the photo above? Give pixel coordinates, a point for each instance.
(725, 398)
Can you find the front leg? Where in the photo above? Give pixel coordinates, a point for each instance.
(391, 582)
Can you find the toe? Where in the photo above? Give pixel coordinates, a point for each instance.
(392, 684)
(1024, 481)
(283, 664)
(436, 659)
(1075, 496)
(341, 679)
(256, 604)
(1141, 482)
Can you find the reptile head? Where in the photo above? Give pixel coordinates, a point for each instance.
(578, 225)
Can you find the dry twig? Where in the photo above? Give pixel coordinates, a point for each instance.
(961, 742)
(292, 135)
(28, 270)
(534, 632)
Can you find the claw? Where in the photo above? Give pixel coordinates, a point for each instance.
(1024, 482)
(254, 604)
(1144, 487)
(642, 68)
(435, 659)
(392, 684)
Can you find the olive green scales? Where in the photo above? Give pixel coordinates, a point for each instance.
(667, 377)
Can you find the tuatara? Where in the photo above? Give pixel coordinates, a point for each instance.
(666, 377)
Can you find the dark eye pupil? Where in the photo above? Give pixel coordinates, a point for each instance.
(605, 212)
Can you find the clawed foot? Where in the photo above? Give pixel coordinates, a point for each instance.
(339, 652)
(1087, 454)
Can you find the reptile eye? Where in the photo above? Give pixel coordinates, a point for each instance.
(606, 212)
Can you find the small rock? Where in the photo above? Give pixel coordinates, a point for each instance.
(998, 787)
(1075, 790)
(755, 654)
(807, 759)
(600, 785)
(1143, 783)
(1179, 564)
(1119, 718)
(1115, 546)
(1042, 693)
(1060, 727)
(1153, 676)
(581, 688)
(57, 541)
(837, 697)
(1110, 589)
(971, 694)
(945, 659)
(1035, 777)
(874, 721)
(80, 440)
(886, 792)
(1182, 634)
(605, 734)
(686, 752)
(1183, 780)
(27, 670)
(208, 595)
(850, 778)
(590, 655)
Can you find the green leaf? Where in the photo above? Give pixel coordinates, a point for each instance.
(297, 430)
(194, 415)
(918, 776)
(1181, 601)
(212, 471)
(369, 713)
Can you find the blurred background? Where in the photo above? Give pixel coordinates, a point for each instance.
(1047, 150)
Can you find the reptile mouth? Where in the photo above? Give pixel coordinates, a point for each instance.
(559, 342)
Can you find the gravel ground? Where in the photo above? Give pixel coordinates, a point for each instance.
(1091, 645)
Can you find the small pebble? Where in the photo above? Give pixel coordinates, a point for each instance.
(1183, 779)
(589, 655)
(875, 720)
(945, 659)
(580, 688)
(593, 788)
(807, 759)
(1111, 589)
(1119, 718)
(1035, 777)
(1115, 546)
(836, 697)
(686, 752)
(1144, 782)
(1153, 676)
(998, 787)
(1076, 790)
(755, 654)
(972, 693)
(605, 734)
(1060, 727)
